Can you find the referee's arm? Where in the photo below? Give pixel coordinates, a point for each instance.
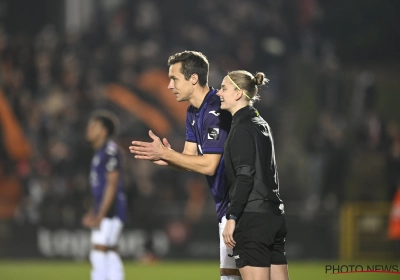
(243, 151)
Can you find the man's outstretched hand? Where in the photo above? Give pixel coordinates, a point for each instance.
(152, 151)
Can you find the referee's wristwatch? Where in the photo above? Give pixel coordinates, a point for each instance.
(231, 217)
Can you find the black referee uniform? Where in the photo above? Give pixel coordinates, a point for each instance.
(254, 192)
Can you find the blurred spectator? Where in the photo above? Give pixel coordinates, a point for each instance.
(393, 160)
(328, 161)
(394, 220)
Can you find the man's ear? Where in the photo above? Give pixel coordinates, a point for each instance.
(194, 79)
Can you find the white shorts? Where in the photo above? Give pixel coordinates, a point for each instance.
(108, 232)
(225, 260)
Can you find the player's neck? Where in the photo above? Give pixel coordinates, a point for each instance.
(198, 96)
(99, 143)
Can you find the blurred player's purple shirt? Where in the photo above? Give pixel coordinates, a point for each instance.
(107, 159)
(208, 127)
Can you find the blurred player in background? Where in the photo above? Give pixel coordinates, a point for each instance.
(206, 132)
(108, 211)
(256, 225)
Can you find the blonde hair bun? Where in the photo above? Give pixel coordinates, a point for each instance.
(260, 79)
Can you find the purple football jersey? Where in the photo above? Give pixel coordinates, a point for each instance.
(208, 127)
(107, 159)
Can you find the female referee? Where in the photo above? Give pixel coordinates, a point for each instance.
(256, 225)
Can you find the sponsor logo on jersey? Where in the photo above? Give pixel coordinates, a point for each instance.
(214, 113)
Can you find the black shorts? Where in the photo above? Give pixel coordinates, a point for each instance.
(260, 240)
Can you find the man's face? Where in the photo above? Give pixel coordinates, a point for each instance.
(179, 86)
(94, 131)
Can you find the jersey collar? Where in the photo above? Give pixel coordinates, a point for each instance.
(212, 90)
(244, 112)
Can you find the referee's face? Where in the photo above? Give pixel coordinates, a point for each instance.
(227, 94)
(179, 86)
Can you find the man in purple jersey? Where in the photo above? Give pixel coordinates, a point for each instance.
(108, 211)
(206, 132)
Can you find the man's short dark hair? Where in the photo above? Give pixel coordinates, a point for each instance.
(108, 119)
(192, 63)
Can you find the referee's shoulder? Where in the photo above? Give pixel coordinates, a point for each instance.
(243, 126)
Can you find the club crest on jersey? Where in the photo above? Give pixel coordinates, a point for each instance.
(213, 133)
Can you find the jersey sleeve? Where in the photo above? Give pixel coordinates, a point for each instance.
(112, 158)
(190, 136)
(243, 152)
(216, 126)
